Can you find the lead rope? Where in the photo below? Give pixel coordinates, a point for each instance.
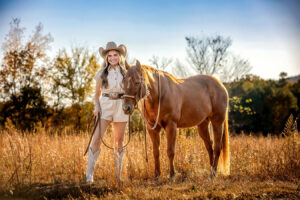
(98, 121)
(158, 112)
(129, 132)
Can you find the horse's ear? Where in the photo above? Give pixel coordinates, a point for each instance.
(127, 66)
(138, 64)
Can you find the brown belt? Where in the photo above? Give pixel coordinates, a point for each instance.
(113, 95)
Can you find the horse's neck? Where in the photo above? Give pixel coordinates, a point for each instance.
(150, 105)
(154, 87)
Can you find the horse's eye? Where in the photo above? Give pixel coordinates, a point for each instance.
(137, 83)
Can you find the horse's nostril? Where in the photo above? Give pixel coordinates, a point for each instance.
(130, 110)
(126, 108)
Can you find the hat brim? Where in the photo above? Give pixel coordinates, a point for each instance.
(121, 48)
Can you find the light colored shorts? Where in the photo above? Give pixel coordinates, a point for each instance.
(112, 110)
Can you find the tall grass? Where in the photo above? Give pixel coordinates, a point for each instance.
(42, 157)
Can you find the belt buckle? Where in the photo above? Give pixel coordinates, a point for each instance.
(114, 95)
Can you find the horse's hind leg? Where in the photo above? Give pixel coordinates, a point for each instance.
(171, 128)
(218, 131)
(204, 134)
(155, 138)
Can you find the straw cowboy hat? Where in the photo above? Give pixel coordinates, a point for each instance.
(113, 46)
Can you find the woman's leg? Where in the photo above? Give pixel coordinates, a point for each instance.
(119, 130)
(96, 141)
(94, 149)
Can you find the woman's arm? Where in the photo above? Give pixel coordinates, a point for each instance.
(96, 98)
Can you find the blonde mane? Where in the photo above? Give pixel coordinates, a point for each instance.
(148, 74)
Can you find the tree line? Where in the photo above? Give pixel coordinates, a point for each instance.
(36, 90)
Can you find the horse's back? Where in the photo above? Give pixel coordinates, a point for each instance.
(214, 88)
(203, 96)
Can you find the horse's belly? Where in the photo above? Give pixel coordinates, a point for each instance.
(193, 119)
(194, 113)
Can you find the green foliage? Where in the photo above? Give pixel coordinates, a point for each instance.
(258, 105)
(72, 84)
(24, 64)
(23, 73)
(25, 110)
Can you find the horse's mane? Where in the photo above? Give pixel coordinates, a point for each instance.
(148, 74)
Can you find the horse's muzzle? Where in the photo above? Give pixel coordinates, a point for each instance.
(128, 109)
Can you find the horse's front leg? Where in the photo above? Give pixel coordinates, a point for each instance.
(171, 128)
(155, 138)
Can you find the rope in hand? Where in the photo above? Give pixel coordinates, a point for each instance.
(97, 122)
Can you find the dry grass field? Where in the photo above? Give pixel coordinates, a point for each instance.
(52, 166)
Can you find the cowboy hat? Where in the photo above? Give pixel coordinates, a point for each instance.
(113, 46)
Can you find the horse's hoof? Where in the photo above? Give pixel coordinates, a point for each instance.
(172, 177)
(212, 175)
(120, 184)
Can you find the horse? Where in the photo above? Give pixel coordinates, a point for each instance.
(172, 103)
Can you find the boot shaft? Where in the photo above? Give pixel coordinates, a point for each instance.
(118, 159)
(92, 159)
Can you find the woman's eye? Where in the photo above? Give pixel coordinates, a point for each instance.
(137, 83)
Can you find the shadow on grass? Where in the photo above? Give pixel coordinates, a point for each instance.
(57, 191)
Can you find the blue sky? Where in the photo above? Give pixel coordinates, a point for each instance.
(266, 32)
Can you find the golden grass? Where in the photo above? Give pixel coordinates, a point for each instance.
(56, 161)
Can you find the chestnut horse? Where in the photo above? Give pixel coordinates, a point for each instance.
(195, 101)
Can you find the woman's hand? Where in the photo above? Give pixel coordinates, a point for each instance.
(96, 111)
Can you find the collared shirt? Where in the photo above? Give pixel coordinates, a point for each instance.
(111, 110)
(114, 78)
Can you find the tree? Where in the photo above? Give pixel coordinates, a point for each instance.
(23, 72)
(283, 75)
(210, 55)
(282, 78)
(25, 109)
(234, 68)
(262, 106)
(160, 63)
(180, 70)
(72, 81)
(24, 63)
(206, 54)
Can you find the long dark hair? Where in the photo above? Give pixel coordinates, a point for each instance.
(105, 65)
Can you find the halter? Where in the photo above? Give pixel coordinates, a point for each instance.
(143, 99)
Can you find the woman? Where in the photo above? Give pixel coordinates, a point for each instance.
(109, 82)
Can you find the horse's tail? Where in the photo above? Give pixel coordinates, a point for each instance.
(225, 151)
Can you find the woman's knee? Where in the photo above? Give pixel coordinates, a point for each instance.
(118, 141)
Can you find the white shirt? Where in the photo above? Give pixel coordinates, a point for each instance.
(111, 109)
(114, 78)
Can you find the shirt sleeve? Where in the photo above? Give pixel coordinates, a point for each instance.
(97, 76)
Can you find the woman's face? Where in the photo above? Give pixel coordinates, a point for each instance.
(113, 58)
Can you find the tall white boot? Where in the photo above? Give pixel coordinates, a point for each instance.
(92, 158)
(118, 158)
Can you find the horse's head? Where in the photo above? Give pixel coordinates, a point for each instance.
(134, 87)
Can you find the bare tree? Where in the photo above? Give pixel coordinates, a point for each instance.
(180, 70)
(210, 55)
(234, 68)
(160, 63)
(206, 54)
(130, 60)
